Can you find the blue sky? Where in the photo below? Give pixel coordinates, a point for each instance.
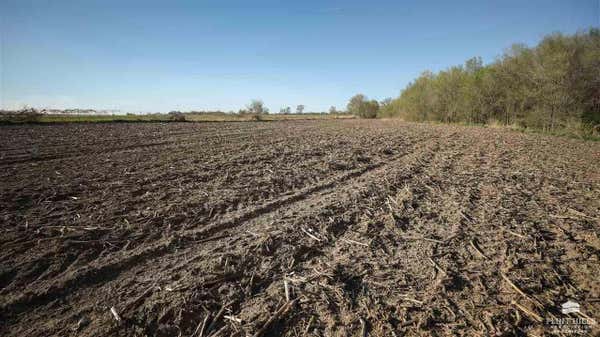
(164, 55)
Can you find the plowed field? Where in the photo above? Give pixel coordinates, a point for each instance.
(298, 228)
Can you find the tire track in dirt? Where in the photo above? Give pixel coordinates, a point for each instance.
(306, 211)
(320, 197)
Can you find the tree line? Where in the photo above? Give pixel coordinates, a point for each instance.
(257, 107)
(553, 85)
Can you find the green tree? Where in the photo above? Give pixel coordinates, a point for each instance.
(360, 106)
(371, 109)
(553, 85)
(257, 107)
(355, 104)
(386, 107)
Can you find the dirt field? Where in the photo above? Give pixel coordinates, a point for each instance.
(378, 228)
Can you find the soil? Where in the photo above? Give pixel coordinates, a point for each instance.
(379, 228)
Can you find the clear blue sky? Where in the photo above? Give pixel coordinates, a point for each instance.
(158, 56)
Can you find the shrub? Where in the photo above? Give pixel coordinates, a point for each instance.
(176, 116)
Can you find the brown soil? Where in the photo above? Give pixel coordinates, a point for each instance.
(378, 227)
